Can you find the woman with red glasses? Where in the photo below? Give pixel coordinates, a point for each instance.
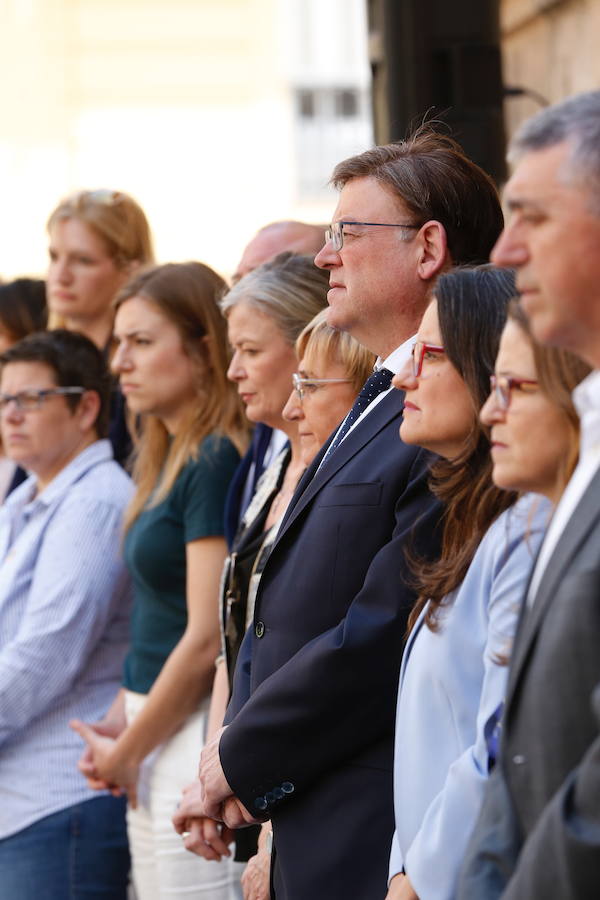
(454, 669)
(530, 406)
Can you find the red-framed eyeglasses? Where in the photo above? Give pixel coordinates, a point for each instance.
(419, 351)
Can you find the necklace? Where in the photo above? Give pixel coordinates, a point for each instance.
(290, 483)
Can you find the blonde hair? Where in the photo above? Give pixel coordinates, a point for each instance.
(187, 295)
(320, 340)
(117, 219)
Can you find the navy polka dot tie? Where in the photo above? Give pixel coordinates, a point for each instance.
(374, 385)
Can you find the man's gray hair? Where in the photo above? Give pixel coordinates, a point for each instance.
(576, 120)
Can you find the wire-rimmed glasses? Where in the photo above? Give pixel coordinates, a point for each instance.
(26, 401)
(335, 232)
(304, 386)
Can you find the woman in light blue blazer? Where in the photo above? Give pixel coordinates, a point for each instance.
(454, 670)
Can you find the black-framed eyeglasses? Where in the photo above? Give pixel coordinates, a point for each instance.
(304, 386)
(502, 387)
(25, 401)
(419, 351)
(335, 232)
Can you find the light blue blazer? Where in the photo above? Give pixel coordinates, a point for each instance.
(451, 681)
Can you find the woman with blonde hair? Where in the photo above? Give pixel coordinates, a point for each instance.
(98, 240)
(171, 359)
(332, 369)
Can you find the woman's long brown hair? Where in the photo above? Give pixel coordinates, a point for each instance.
(187, 294)
(472, 306)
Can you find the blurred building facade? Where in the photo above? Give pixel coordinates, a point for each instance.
(220, 115)
(483, 65)
(549, 50)
(217, 115)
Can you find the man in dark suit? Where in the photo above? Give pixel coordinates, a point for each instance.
(309, 742)
(538, 834)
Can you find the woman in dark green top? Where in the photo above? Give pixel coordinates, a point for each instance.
(171, 360)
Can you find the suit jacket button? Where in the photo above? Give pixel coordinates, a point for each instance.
(287, 787)
(259, 629)
(261, 803)
(518, 759)
(270, 797)
(278, 793)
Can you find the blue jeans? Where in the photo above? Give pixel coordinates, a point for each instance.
(80, 852)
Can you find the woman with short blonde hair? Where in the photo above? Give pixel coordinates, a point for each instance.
(98, 240)
(330, 345)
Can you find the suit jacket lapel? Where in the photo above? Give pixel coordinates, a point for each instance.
(584, 517)
(314, 478)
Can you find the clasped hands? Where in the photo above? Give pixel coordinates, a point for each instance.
(207, 802)
(100, 763)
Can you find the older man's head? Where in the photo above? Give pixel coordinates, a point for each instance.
(296, 237)
(553, 235)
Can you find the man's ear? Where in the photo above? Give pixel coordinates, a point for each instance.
(433, 250)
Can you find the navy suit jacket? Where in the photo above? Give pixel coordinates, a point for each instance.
(310, 739)
(538, 834)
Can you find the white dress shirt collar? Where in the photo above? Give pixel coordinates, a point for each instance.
(586, 398)
(395, 361)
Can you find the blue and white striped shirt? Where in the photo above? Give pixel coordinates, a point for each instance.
(65, 602)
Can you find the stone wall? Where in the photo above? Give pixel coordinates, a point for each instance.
(550, 48)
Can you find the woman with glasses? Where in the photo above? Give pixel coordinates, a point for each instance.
(454, 670)
(171, 360)
(453, 673)
(98, 240)
(530, 404)
(65, 603)
(332, 369)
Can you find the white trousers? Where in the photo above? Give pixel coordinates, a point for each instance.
(162, 868)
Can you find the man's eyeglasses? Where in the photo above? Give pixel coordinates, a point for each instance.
(335, 232)
(25, 401)
(304, 386)
(419, 350)
(502, 387)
